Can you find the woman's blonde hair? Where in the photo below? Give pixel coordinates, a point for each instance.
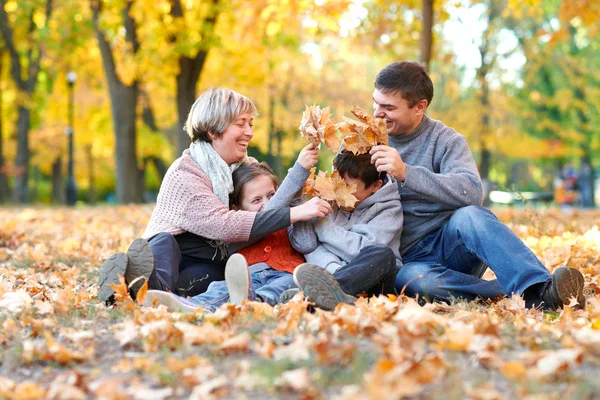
(214, 111)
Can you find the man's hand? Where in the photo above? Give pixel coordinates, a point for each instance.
(309, 156)
(387, 159)
(314, 208)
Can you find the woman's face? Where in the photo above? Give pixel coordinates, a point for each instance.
(233, 144)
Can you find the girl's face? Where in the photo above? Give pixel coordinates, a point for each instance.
(257, 193)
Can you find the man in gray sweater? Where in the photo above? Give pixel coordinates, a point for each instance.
(448, 239)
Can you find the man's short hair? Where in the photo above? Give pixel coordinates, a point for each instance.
(357, 167)
(408, 79)
(214, 111)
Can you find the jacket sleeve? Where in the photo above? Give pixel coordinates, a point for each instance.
(384, 229)
(456, 185)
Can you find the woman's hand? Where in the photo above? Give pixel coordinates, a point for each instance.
(309, 156)
(314, 208)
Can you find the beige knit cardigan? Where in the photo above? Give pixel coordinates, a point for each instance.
(186, 203)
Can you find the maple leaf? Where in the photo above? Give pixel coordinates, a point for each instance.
(121, 290)
(309, 185)
(376, 125)
(142, 293)
(359, 136)
(334, 188)
(315, 123)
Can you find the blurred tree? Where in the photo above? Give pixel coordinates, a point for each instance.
(124, 90)
(4, 188)
(426, 32)
(29, 23)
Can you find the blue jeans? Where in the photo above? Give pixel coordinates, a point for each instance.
(373, 270)
(448, 263)
(267, 284)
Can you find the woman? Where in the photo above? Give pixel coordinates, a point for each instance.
(184, 246)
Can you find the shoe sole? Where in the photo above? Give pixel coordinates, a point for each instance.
(320, 287)
(172, 301)
(109, 275)
(569, 284)
(141, 263)
(237, 278)
(288, 295)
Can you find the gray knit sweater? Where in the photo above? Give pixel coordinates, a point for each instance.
(441, 176)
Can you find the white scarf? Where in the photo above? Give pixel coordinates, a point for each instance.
(216, 168)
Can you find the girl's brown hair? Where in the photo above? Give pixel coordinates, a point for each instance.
(244, 174)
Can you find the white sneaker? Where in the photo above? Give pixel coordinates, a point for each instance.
(237, 278)
(172, 301)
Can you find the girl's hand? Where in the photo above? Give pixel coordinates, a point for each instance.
(314, 208)
(309, 156)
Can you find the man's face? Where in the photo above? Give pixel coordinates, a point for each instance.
(399, 117)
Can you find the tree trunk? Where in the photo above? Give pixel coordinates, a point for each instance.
(190, 70)
(161, 167)
(27, 86)
(4, 188)
(123, 99)
(271, 140)
(91, 195)
(22, 160)
(427, 33)
(124, 107)
(58, 188)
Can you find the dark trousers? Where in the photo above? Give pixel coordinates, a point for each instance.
(185, 264)
(373, 270)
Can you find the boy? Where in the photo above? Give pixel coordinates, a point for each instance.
(343, 264)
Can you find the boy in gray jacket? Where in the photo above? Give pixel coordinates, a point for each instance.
(358, 250)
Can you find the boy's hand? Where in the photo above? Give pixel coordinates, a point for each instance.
(387, 159)
(309, 156)
(314, 208)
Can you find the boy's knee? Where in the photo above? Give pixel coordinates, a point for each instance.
(380, 251)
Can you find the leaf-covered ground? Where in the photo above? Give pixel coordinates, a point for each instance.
(58, 342)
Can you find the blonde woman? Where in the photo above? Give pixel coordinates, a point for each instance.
(184, 247)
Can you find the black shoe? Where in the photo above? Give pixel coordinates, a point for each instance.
(109, 273)
(565, 284)
(140, 264)
(320, 286)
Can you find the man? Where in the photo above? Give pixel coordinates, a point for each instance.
(448, 240)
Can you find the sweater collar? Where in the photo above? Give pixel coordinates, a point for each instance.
(423, 126)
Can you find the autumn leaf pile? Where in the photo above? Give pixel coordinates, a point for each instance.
(58, 342)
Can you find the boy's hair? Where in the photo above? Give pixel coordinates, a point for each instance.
(408, 79)
(246, 172)
(357, 167)
(214, 111)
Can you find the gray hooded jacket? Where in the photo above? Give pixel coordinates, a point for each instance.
(376, 220)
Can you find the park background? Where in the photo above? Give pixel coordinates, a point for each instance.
(520, 79)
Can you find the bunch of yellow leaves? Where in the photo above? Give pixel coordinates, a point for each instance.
(331, 188)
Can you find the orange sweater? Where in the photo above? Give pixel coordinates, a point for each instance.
(276, 251)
